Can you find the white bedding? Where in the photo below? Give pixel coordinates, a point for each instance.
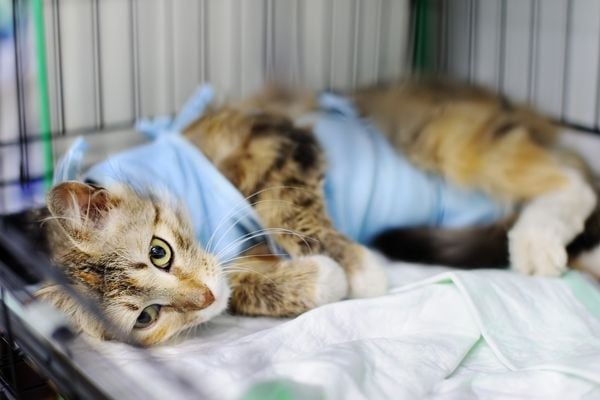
(441, 334)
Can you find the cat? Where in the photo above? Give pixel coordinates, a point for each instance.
(135, 253)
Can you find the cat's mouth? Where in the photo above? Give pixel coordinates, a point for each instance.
(197, 318)
(221, 292)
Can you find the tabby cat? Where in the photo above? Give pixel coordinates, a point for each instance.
(137, 255)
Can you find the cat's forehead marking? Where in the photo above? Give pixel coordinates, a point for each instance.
(91, 279)
(174, 224)
(130, 306)
(156, 213)
(182, 242)
(121, 285)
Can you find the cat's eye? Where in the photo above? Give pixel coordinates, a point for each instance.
(147, 317)
(160, 253)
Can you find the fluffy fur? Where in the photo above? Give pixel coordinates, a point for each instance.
(101, 237)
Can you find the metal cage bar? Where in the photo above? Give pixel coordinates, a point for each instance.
(83, 99)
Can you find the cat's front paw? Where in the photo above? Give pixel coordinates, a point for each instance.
(331, 284)
(368, 278)
(536, 251)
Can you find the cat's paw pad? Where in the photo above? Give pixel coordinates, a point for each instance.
(537, 252)
(331, 284)
(369, 278)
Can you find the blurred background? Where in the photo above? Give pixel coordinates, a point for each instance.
(91, 67)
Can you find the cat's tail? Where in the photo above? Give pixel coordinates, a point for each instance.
(483, 246)
(469, 248)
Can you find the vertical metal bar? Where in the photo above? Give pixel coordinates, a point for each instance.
(597, 108)
(533, 50)
(9, 336)
(299, 53)
(413, 34)
(1, 109)
(2, 205)
(328, 20)
(357, 30)
(266, 34)
(378, 36)
(97, 60)
(238, 55)
(58, 67)
(501, 47)
(170, 60)
(3, 208)
(381, 37)
(472, 39)
(446, 38)
(295, 72)
(565, 86)
(269, 40)
(21, 111)
(2, 172)
(135, 58)
(203, 42)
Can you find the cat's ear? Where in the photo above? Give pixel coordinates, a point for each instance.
(78, 203)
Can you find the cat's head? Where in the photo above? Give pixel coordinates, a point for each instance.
(137, 256)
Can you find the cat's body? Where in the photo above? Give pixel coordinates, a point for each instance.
(137, 256)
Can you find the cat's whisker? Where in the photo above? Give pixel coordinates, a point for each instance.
(274, 187)
(244, 238)
(267, 232)
(224, 262)
(239, 208)
(248, 249)
(253, 256)
(264, 232)
(238, 269)
(251, 204)
(234, 223)
(57, 218)
(241, 269)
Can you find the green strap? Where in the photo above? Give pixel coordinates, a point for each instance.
(283, 389)
(44, 103)
(421, 59)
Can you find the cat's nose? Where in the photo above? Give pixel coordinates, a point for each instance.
(196, 299)
(209, 298)
(204, 299)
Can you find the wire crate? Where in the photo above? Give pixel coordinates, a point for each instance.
(91, 67)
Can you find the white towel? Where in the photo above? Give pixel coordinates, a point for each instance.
(456, 335)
